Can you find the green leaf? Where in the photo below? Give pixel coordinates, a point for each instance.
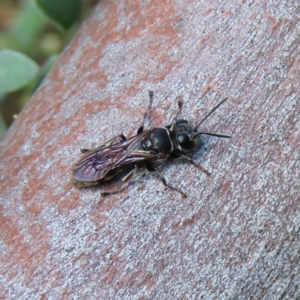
(16, 70)
(26, 26)
(3, 127)
(62, 12)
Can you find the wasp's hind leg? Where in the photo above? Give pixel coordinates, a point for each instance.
(117, 139)
(147, 113)
(150, 168)
(125, 180)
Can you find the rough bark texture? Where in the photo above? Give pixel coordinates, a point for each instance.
(237, 234)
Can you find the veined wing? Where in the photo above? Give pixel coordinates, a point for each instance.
(95, 164)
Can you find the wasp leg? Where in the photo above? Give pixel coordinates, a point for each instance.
(124, 179)
(192, 162)
(170, 186)
(197, 166)
(150, 168)
(84, 150)
(140, 130)
(121, 138)
(180, 105)
(147, 113)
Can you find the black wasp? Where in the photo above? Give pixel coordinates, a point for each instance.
(120, 157)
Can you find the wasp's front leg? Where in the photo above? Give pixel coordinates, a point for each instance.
(178, 157)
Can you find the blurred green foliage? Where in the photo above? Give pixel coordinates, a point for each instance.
(16, 70)
(63, 12)
(32, 34)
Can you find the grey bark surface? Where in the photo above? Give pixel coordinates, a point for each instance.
(236, 236)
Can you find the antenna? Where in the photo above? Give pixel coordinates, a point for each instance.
(214, 134)
(211, 112)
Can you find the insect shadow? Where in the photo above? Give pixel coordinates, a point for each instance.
(119, 158)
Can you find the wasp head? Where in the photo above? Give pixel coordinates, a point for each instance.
(185, 136)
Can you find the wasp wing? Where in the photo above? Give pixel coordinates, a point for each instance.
(105, 162)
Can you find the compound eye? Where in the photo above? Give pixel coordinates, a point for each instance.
(185, 141)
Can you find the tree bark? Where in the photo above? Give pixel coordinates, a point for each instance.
(236, 236)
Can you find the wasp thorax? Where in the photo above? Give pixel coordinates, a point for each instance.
(158, 140)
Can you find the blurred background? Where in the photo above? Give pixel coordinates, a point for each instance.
(32, 35)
